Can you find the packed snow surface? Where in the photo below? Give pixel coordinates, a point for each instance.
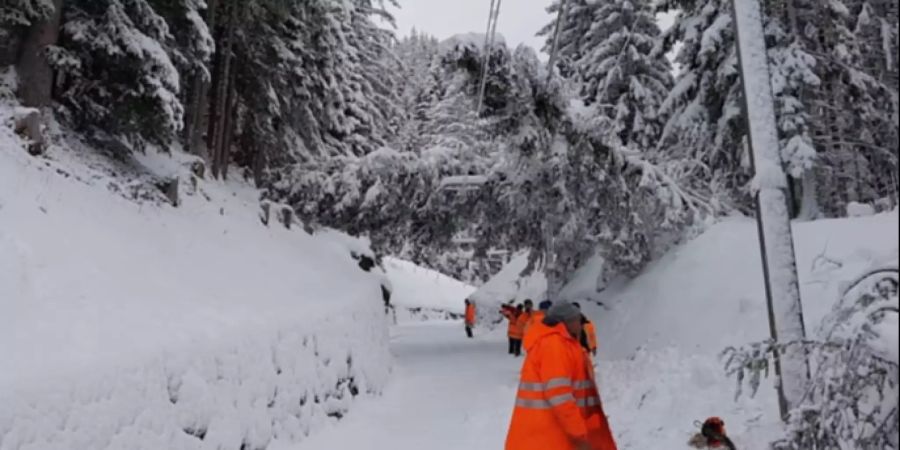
(449, 393)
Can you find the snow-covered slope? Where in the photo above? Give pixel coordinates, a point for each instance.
(660, 334)
(421, 294)
(709, 293)
(126, 325)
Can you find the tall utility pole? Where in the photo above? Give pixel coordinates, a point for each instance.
(772, 217)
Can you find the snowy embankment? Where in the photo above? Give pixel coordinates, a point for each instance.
(422, 294)
(709, 293)
(661, 333)
(143, 326)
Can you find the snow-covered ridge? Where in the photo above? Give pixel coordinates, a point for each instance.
(422, 294)
(138, 325)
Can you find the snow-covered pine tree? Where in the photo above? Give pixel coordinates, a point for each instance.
(417, 53)
(858, 133)
(703, 109)
(835, 104)
(622, 79)
(315, 81)
(116, 80)
(576, 24)
(23, 12)
(15, 17)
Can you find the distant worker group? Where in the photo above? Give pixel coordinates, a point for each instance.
(557, 404)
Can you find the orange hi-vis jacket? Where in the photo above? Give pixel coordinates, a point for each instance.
(591, 334)
(470, 315)
(535, 318)
(514, 330)
(522, 322)
(558, 403)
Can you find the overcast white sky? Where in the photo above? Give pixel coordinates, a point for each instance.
(519, 20)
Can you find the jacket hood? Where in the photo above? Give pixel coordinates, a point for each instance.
(540, 331)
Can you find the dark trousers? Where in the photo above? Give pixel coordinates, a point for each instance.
(468, 331)
(515, 346)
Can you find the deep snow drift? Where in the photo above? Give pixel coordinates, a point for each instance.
(126, 325)
(709, 293)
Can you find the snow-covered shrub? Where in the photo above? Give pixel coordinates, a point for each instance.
(23, 12)
(851, 400)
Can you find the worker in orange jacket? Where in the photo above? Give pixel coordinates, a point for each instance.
(513, 330)
(537, 316)
(558, 404)
(470, 317)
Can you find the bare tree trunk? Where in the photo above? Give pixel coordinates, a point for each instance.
(221, 107)
(194, 115)
(35, 73)
(228, 126)
(219, 92)
(199, 107)
(809, 198)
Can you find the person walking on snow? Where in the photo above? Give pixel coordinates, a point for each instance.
(558, 404)
(470, 317)
(588, 333)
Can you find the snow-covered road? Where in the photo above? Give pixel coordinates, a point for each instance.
(450, 393)
(447, 392)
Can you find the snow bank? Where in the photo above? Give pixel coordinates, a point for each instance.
(856, 209)
(138, 326)
(709, 292)
(424, 294)
(508, 285)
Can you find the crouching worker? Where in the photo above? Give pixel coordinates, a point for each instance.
(558, 403)
(712, 436)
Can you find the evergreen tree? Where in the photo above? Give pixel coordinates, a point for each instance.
(835, 101)
(623, 80)
(705, 122)
(576, 25)
(117, 81)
